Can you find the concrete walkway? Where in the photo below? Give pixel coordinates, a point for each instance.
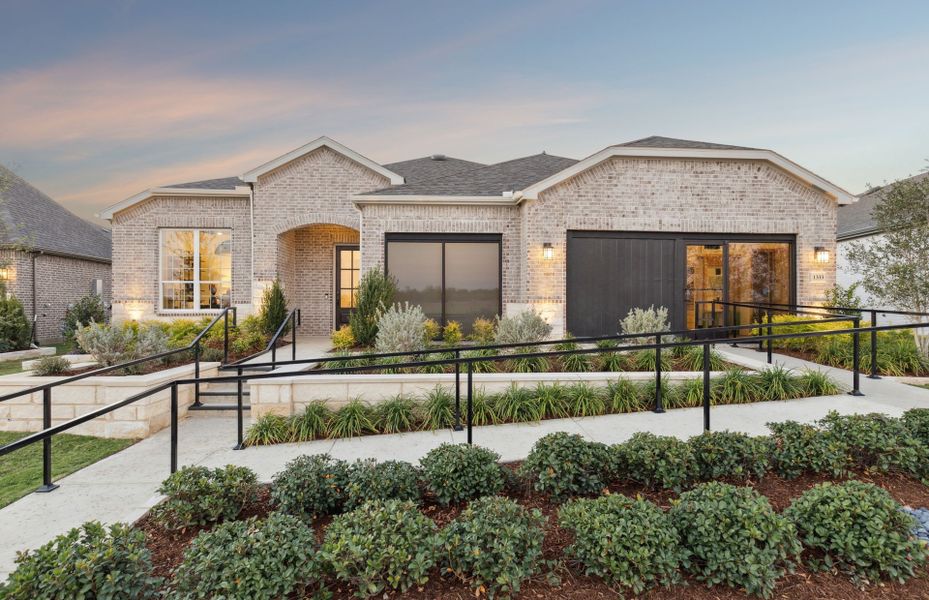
(124, 486)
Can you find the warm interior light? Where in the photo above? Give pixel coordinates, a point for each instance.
(5, 273)
(547, 251)
(821, 254)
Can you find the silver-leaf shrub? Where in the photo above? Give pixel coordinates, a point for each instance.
(401, 328)
(524, 327)
(645, 320)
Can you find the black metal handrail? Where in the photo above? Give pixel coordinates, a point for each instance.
(294, 320)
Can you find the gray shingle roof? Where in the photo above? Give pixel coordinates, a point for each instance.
(430, 167)
(223, 183)
(656, 141)
(491, 180)
(30, 218)
(855, 220)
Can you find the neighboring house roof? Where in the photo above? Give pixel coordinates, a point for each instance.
(491, 180)
(856, 219)
(430, 167)
(223, 183)
(31, 219)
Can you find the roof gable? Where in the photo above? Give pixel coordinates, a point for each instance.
(254, 174)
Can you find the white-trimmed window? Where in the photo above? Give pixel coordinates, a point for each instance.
(196, 269)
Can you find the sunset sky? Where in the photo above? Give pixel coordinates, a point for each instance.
(100, 100)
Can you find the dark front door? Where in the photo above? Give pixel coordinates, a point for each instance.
(347, 274)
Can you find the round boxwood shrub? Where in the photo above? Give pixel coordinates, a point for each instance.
(199, 496)
(388, 480)
(310, 486)
(655, 461)
(798, 447)
(458, 472)
(565, 464)
(494, 545)
(722, 454)
(90, 561)
(382, 545)
(733, 536)
(255, 558)
(628, 543)
(857, 528)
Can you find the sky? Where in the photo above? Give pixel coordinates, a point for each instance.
(101, 100)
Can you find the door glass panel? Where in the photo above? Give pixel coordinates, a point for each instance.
(759, 273)
(348, 276)
(417, 269)
(472, 282)
(704, 283)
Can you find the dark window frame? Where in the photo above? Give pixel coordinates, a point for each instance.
(455, 238)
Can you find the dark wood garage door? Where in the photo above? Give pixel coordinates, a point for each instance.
(609, 273)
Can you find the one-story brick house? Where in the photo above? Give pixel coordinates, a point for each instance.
(655, 221)
(49, 257)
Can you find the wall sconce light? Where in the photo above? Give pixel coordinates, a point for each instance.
(821, 254)
(5, 273)
(547, 251)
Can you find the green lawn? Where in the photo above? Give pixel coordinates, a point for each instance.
(21, 471)
(16, 366)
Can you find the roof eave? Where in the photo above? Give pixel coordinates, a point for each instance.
(108, 212)
(253, 175)
(502, 200)
(840, 195)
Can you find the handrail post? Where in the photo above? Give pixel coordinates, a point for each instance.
(874, 374)
(856, 358)
(273, 357)
(470, 393)
(293, 337)
(197, 374)
(696, 314)
(713, 313)
(457, 426)
(770, 341)
(706, 387)
(225, 336)
(174, 427)
(658, 406)
(47, 485)
(240, 426)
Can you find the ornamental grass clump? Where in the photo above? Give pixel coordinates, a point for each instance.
(657, 462)
(859, 529)
(572, 363)
(312, 423)
(517, 405)
(438, 409)
(565, 464)
(729, 455)
(388, 480)
(197, 496)
(396, 415)
(691, 359)
(352, 419)
(90, 561)
(584, 400)
(269, 428)
(481, 366)
(483, 409)
(778, 383)
(736, 387)
(624, 395)
(494, 546)
(817, 383)
(628, 543)
(553, 400)
(310, 486)
(456, 473)
(262, 559)
(732, 536)
(381, 546)
(527, 364)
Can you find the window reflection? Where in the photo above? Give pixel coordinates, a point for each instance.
(759, 273)
(417, 269)
(196, 269)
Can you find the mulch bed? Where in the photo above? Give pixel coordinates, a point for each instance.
(167, 549)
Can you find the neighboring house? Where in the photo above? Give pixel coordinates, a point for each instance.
(857, 224)
(655, 221)
(50, 257)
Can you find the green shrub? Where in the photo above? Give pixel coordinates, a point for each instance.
(457, 472)
(312, 423)
(726, 454)
(778, 383)
(342, 338)
(310, 486)
(734, 537)
(552, 400)
(524, 327)
(376, 291)
(878, 442)
(352, 419)
(113, 344)
(181, 332)
(438, 409)
(269, 428)
(199, 496)
(644, 360)
(917, 421)
(817, 383)
(400, 328)
(584, 400)
(689, 394)
(51, 365)
(517, 405)
(527, 364)
(90, 561)
(381, 546)
(431, 330)
(692, 359)
(451, 334)
(625, 396)
(395, 415)
(248, 337)
(645, 320)
(655, 461)
(482, 331)
(494, 545)
(736, 387)
(564, 464)
(628, 543)
(88, 309)
(611, 362)
(388, 480)
(15, 331)
(797, 448)
(857, 528)
(483, 409)
(273, 310)
(261, 559)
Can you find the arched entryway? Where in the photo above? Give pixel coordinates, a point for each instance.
(319, 266)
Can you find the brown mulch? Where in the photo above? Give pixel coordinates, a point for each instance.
(167, 549)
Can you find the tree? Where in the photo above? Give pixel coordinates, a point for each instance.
(273, 309)
(376, 293)
(894, 270)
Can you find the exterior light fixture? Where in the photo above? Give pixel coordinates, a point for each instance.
(5, 272)
(547, 251)
(821, 254)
